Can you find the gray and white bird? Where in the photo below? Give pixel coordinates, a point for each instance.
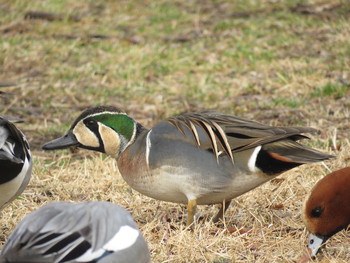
(85, 232)
(197, 158)
(15, 162)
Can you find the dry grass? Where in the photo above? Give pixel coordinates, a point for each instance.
(277, 62)
(263, 225)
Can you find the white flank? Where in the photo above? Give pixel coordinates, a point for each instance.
(148, 147)
(90, 256)
(252, 159)
(10, 188)
(124, 238)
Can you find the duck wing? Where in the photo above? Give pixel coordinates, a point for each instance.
(220, 132)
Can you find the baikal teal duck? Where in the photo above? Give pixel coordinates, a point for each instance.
(197, 158)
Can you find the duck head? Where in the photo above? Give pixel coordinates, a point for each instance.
(327, 209)
(105, 129)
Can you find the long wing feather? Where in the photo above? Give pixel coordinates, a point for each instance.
(209, 130)
(221, 135)
(231, 134)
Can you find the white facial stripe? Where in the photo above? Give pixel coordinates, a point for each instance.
(104, 112)
(132, 139)
(123, 239)
(314, 244)
(148, 147)
(85, 136)
(252, 159)
(111, 140)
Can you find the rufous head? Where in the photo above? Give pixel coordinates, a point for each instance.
(327, 209)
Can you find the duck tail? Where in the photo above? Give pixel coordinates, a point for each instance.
(280, 156)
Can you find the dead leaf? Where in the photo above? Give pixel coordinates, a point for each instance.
(277, 207)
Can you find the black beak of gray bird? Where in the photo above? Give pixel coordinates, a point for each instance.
(63, 142)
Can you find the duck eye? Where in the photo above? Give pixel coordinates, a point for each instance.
(316, 212)
(90, 122)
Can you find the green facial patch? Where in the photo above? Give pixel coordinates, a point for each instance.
(122, 124)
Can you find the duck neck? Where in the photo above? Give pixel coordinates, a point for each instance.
(138, 130)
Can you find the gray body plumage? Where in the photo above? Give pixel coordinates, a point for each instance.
(195, 158)
(206, 156)
(88, 232)
(15, 162)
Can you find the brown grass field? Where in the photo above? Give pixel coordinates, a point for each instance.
(275, 61)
